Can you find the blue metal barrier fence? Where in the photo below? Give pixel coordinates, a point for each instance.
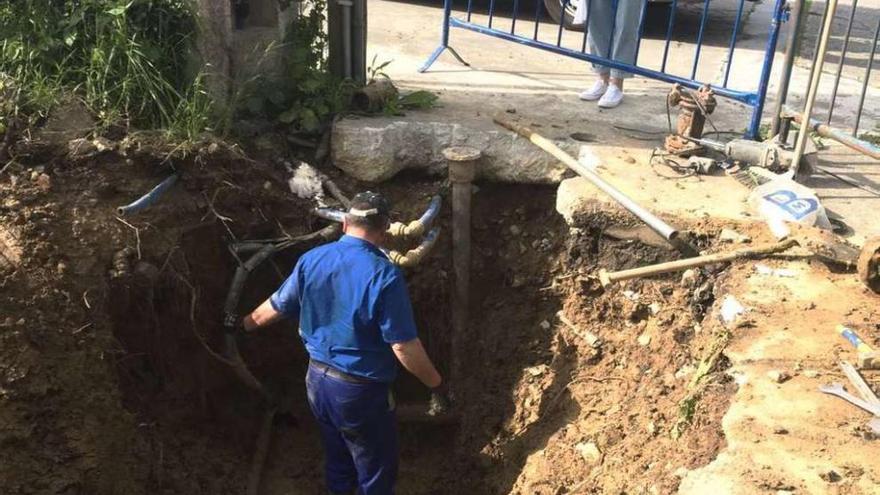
(751, 97)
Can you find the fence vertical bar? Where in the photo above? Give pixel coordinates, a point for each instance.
(846, 37)
(470, 9)
(700, 38)
(561, 23)
(813, 87)
(791, 48)
(733, 37)
(444, 40)
(515, 12)
(641, 31)
(668, 34)
(769, 50)
(867, 80)
(586, 24)
(491, 12)
(538, 8)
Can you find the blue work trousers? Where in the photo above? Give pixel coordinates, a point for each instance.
(359, 431)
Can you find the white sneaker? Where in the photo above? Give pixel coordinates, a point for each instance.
(612, 97)
(595, 92)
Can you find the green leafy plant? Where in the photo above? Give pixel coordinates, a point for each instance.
(127, 60)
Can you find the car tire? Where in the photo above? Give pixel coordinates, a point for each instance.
(554, 9)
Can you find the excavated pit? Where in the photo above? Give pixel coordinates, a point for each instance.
(541, 407)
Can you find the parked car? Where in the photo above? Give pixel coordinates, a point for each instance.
(555, 10)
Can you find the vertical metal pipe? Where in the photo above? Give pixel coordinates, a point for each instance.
(642, 31)
(470, 9)
(764, 80)
(733, 37)
(539, 7)
(813, 89)
(462, 169)
(792, 41)
(846, 37)
(561, 23)
(346, 37)
(668, 34)
(491, 12)
(700, 38)
(867, 80)
(515, 13)
(586, 25)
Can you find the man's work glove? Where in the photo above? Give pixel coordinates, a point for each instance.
(440, 402)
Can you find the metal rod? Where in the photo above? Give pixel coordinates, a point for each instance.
(491, 12)
(700, 37)
(668, 34)
(813, 89)
(733, 37)
(515, 12)
(657, 225)
(470, 9)
(846, 37)
(641, 30)
(607, 278)
(829, 132)
(539, 7)
(586, 25)
(766, 70)
(747, 97)
(867, 80)
(462, 168)
(791, 48)
(561, 23)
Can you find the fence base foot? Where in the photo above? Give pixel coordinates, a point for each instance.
(439, 50)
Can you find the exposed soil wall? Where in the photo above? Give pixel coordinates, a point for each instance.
(108, 383)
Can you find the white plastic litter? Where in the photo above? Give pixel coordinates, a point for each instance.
(775, 272)
(783, 200)
(587, 157)
(731, 309)
(306, 182)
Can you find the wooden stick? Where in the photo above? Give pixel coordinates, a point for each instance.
(606, 278)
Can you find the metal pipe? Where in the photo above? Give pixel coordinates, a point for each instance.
(829, 132)
(515, 13)
(733, 37)
(791, 49)
(462, 163)
(561, 23)
(764, 80)
(346, 36)
(329, 214)
(417, 227)
(657, 225)
(700, 37)
(148, 199)
(415, 256)
(846, 38)
(813, 89)
(668, 34)
(867, 79)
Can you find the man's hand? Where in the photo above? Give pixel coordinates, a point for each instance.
(440, 401)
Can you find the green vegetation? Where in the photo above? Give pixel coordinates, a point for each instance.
(127, 60)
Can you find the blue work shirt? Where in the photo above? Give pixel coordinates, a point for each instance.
(352, 305)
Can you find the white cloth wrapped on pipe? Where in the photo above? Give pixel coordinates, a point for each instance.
(602, 19)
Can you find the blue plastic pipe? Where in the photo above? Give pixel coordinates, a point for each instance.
(148, 199)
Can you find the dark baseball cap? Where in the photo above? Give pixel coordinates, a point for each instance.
(368, 203)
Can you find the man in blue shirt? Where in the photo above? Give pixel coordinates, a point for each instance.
(356, 322)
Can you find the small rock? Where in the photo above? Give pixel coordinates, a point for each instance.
(689, 278)
(103, 144)
(267, 185)
(730, 235)
(61, 268)
(589, 451)
(810, 373)
(780, 431)
(830, 476)
(778, 376)
(21, 322)
(44, 182)
(629, 159)
(654, 307)
(537, 370)
(651, 428)
(644, 339)
(81, 147)
(545, 325)
(515, 230)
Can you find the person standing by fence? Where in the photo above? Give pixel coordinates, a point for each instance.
(613, 33)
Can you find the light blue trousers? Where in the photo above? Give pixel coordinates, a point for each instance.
(626, 32)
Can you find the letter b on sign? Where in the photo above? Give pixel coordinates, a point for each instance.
(793, 205)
